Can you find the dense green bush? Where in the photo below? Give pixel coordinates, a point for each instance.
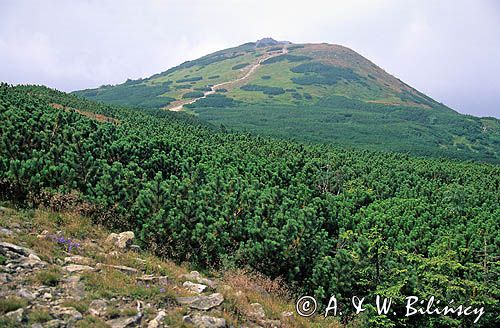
(182, 86)
(239, 66)
(190, 79)
(193, 94)
(275, 48)
(328, 221)
(265, 89)
(207, 88)
(318, 73)
(132, 94)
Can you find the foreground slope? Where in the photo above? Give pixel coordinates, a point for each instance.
(314, 92)
(59, 270)
(327, 221)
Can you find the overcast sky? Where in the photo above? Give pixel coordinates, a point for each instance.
(448, 49)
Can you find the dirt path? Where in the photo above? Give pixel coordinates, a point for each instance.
(179, 104)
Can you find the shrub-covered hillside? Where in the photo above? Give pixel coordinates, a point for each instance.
(312, 92)
(328, 221)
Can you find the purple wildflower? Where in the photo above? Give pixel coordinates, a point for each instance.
(63, 241)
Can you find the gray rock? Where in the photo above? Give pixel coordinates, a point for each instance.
(122, 268)
(204, 321)
(16, 249)
(257, 311)
(193, 275)
(74, 287)
(34, 257)
(4, 278)
(24, 293)
(123, 322)
(122, 240)
(196, 276)
(149, 279)
(16, 315)
(158, 320)
(33, 261)
(98, 307)
(68, 314)
(77, 259)
(193, 287)
(77, 268)
(202, 302)
(6, 232)
(43, 234)
(135, 248)
(56, 323)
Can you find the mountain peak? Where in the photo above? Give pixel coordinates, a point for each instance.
(266, 42)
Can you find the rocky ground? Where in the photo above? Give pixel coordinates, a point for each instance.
(60, 270)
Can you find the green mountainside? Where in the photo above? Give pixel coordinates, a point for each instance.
(313, 92)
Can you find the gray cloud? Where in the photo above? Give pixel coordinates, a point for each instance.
(446, 49)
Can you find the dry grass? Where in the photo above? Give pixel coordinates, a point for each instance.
(9, 304)
(240, 288)
(90, 321)
(247, 287)
(39, 316)
(91, 115)
(49, 277)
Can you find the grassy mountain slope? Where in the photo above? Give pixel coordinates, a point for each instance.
(315, 92)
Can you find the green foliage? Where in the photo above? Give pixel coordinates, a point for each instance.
(132, 94)
(214, 101)
(182, 86)
(190, 79)
(348, 122)
(318, 73)
(11, 303)
(239, 66)
(265, 89)
(49, 277)
(328, 221)
(206, 88)
(210, 59)
(289, 57)
(266, 77)
(193, 94)
(39, 315)
(274, 48)
(3, 260)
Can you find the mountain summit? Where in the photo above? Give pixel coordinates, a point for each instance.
(266, 42)
(273, 71)
(315, 92)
